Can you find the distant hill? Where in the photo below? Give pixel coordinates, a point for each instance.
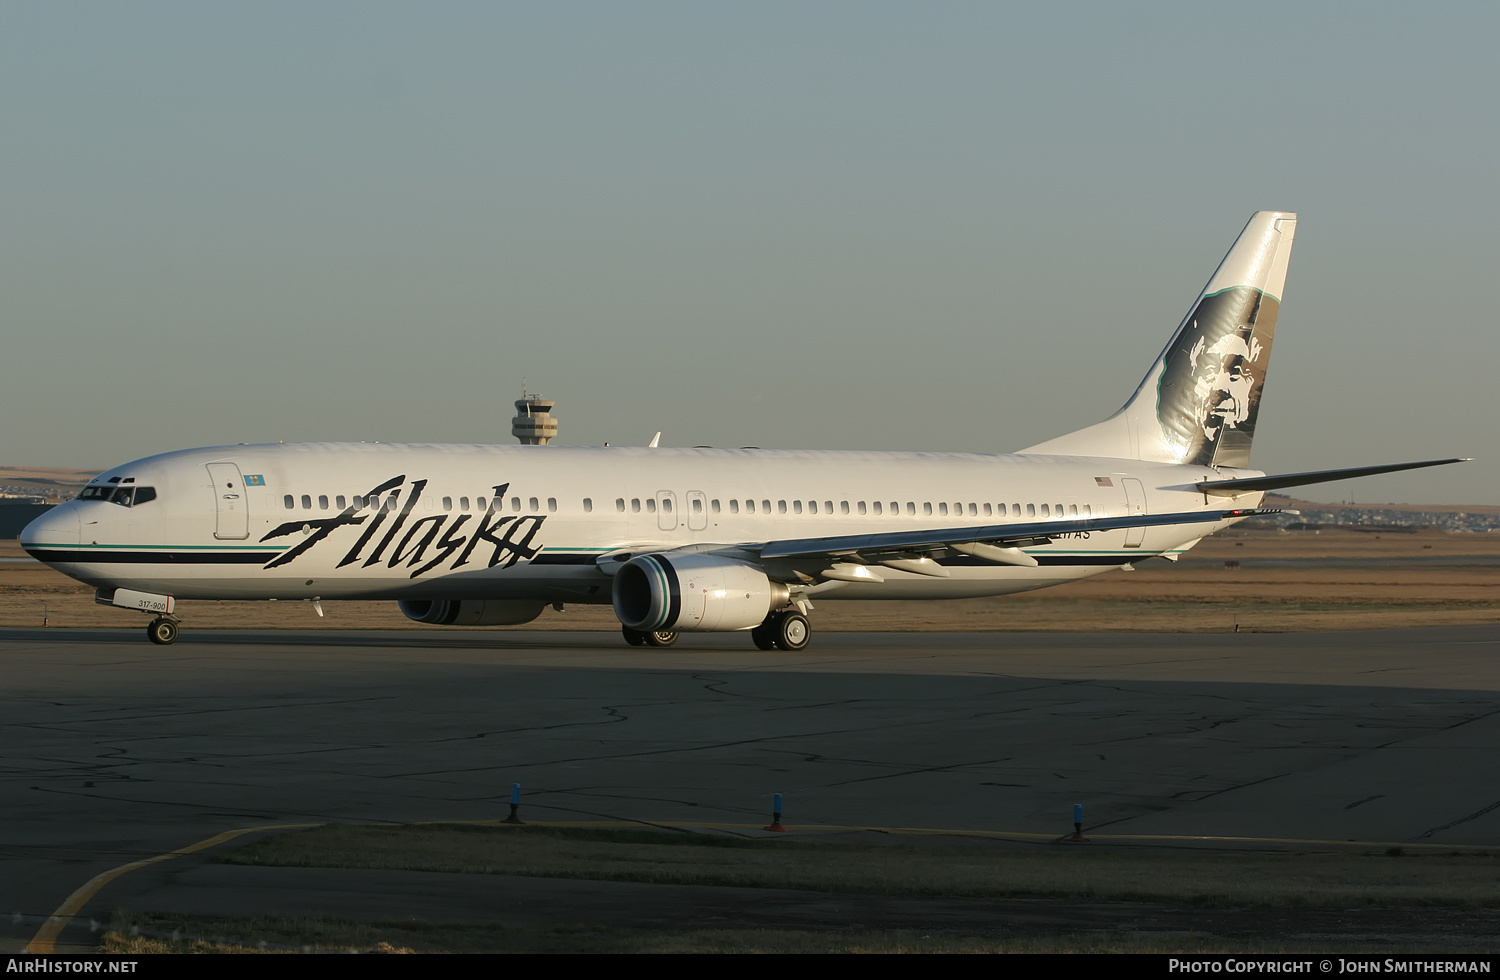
(51, 482)
(1278, 500)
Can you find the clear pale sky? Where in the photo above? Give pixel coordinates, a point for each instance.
(965, 226)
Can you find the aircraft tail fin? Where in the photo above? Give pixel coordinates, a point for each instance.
(1199, 401)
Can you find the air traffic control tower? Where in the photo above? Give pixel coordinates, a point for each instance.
(533, 424)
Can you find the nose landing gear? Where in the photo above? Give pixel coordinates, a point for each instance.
(162, 631)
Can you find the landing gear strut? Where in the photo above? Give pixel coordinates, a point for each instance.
(162, 632)
(785, 630)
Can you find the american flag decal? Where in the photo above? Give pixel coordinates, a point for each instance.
(1104, 481)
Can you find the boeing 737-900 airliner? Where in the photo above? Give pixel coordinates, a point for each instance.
(683, 540)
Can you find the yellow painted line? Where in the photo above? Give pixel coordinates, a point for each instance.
(46, 937)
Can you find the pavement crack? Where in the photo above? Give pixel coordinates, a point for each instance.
(1454, 823)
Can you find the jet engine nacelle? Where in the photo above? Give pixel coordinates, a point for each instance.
(472, 612)
(693, 593)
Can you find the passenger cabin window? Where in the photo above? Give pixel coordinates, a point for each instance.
(463, 503)
(781, 506)
(986, 510)
(479, 503)
(714, 506)
(942, 509)
(635, 505)
(288, 501)
(927, 508)
(734, 507)
(551, 505)
(765, 507)
(534, 507)
(1031, 510)
(650, 505)
(620, 504)
(323, 501)
(588, 505)
(697, 505)
(306, 502)
(828, 507)
(447, 503)
(515, 504)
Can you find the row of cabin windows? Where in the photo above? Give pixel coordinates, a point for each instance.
(944, 509)
(390, 502)
(636, 504)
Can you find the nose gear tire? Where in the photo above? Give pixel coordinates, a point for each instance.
(162, 632)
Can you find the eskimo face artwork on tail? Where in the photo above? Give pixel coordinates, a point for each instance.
(1211, 382)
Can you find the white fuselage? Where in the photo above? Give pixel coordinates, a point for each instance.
(374, 520)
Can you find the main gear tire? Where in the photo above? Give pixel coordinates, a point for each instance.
(764, 635)
(792, 631)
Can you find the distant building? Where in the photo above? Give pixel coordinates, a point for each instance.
(17, 512)
(533, 424)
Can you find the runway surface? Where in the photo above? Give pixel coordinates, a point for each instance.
(117, 750)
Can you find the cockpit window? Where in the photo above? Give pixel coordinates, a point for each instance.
(125, 496)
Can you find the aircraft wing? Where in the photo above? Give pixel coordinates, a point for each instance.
(997, 542)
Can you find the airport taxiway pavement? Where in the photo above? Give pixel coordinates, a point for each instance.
(116, 750)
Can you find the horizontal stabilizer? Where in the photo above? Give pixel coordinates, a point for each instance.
(1231, 488)
(1001, 536)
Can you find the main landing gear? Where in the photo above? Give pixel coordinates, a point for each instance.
(653, 638)
(162, 631)
(785, 630)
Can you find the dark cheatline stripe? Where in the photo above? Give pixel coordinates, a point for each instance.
(562, 559)
(156, 557)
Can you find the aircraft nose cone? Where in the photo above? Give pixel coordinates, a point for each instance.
(60, 525)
